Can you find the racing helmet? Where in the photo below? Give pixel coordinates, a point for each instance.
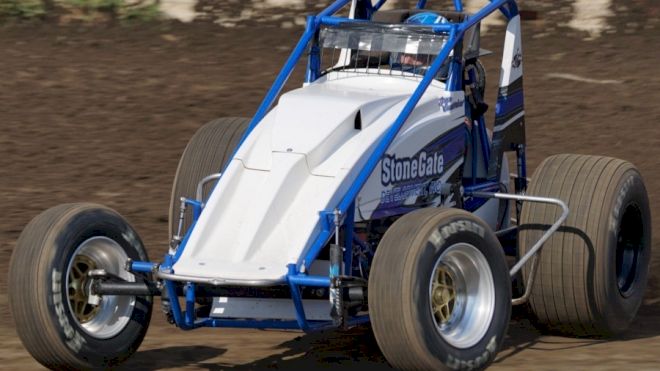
(426, 18)
(416, 63)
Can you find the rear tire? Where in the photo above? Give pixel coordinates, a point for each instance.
(48, 288)
(592, 273)
(207, 152)
(439, 292)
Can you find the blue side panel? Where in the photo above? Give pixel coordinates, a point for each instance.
(451, 145)
(473, 203)
(509, 104)
(408, 190)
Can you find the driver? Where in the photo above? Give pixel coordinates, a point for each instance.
(416, 63)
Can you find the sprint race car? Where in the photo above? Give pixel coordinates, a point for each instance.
(372, 194)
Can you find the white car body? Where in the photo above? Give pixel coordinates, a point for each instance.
(302, 157)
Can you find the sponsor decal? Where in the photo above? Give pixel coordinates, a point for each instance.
(477, 362)
(616, 211)
(422, 165)
(408, 194)
(448, 103)
(72, 338)
(438, 237)
(420, 179)
(517, 59)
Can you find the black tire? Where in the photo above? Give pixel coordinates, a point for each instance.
(580, 288)
(54, 248)
(207, 152)
(481, 77)
(400, 287)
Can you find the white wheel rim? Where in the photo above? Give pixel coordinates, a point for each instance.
(113, 313)
(462, 295)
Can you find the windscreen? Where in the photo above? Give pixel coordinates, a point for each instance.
(392, 38)
(380, 48)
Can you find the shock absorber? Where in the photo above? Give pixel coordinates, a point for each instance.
(176, 239)
(336, 258)
(521, 180)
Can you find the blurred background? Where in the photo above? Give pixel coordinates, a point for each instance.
(98, 98)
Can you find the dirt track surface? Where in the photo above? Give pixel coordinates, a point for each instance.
(102, 115)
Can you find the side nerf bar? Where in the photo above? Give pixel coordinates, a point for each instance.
(536, 248)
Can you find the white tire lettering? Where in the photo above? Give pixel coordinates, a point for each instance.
(462, 226)
(471, 364)
(436, 239)
(73, 339)
(616, 211)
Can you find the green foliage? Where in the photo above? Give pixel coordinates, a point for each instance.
(86, 10)
(141, 13)
(145, 10)
(22, 8)
(96, 5)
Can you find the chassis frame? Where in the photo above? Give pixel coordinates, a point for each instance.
(342, 215)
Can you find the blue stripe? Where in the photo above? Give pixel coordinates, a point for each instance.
(452, 147)
(379, 151)
(456, 31)
(473, 203)
(507, 104)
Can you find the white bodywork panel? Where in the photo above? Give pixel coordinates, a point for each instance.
(512, 65)
(512, 49)
(299, 161)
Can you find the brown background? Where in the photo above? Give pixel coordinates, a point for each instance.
(101, 113)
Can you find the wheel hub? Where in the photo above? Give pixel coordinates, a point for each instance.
(462, 295)
(113, 312)
(444, 295)
(78, 294)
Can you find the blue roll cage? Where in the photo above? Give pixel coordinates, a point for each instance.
(296, 278)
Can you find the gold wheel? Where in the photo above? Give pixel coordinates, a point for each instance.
(105, 316)
(78, 295)
(462, 295)
(443, 294)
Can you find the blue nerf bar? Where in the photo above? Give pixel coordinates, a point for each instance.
(143, 267)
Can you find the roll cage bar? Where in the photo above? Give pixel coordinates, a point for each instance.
(343, 213)
(364, 8)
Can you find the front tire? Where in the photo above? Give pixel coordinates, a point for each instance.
(439, 292)
(49, 288)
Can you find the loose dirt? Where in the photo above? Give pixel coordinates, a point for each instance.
(102, 114)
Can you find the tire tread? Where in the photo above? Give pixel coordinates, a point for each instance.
(207, 152)
(565, 296)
